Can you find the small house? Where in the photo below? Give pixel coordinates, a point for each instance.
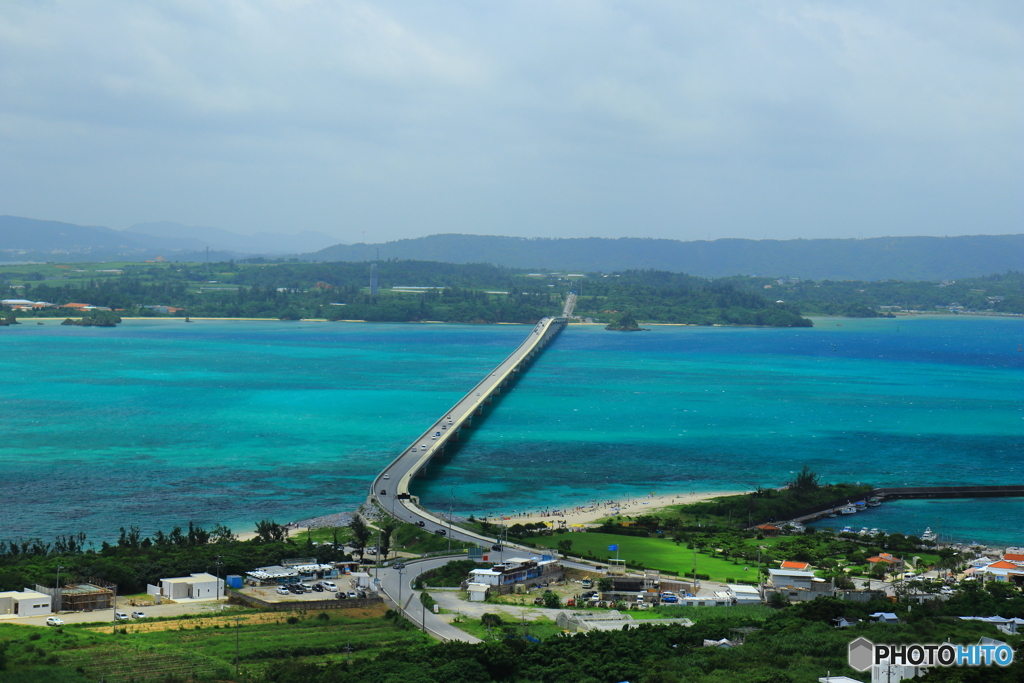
(194, 587)
(478, 592)
(885, 618)
(26, 603)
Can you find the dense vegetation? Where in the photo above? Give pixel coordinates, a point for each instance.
(418, 290)
(768, 504)
(475, 293)
(136, 560)
(1002, 293)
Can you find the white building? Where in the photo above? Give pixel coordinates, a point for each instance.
(195, 587)
(25, 603)
(790, 579)
(478, 592)
(743, 595)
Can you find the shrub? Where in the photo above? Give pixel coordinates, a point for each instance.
(323, 616)
(293, 620)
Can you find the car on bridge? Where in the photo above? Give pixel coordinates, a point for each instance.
(387, 476)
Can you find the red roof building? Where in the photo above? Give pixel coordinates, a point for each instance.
(800, 566)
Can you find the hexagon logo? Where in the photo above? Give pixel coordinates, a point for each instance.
(861, 654)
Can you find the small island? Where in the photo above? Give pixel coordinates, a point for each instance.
(97, 319)
(625, 323)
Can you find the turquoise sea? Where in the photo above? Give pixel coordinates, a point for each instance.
(155, 423)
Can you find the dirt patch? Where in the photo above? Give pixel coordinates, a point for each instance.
(225, 621)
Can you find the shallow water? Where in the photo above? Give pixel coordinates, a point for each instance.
(156, 423)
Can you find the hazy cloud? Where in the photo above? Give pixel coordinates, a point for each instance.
(667, 119)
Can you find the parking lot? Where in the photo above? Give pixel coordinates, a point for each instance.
(277, 594)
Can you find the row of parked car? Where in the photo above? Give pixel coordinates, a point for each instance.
(299, 588)
(118, 616)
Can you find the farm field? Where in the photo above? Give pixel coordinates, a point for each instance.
(205, 646)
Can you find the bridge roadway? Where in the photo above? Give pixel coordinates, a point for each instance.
(391, 487)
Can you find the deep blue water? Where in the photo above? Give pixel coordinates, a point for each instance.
(156, 423)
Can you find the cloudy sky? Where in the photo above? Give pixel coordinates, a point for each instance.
(391, 119)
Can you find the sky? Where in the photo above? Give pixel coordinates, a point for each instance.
(375, 121)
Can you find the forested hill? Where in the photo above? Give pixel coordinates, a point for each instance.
(883, 258)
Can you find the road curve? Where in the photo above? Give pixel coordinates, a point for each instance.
(390, 489)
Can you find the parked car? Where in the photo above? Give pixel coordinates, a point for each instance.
(352, 595)
(340, 595)
(318, 588)
(329, 586)
(54, 621)
(283, 590)
(138, 615)
(120, 616)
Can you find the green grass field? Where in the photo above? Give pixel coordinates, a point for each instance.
(653, 553)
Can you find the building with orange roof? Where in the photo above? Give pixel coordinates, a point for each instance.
(799, 566)
(1003, 571)
(768, 529)
(77, 306)
(886, 558)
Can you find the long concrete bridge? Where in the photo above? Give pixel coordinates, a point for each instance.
(391, 487)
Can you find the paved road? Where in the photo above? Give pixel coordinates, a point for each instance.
(394, 481)
(204, 608)
(398, 584)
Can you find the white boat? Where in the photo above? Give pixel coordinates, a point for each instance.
(847, 510)
(874, 532)
(874, 502)
(929, 535)
(846, 530)
(863, 531)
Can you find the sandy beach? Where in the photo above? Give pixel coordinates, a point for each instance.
(588, 514)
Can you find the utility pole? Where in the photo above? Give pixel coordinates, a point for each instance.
(237, 626)
(218, 575)
(60, 602)
(401, 610)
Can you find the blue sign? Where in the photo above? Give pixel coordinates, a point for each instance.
(613, 547)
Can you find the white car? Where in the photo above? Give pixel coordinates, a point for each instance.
(387, 476)
(120, 616)
(138, 615)
(329, 586)
(54, 621)
(281, 590)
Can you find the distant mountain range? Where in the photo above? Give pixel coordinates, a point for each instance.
(881, 258)
(28, 239)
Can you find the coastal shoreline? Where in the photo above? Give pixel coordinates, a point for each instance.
(621, 506)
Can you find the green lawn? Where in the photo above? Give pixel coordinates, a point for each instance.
(653, 553)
